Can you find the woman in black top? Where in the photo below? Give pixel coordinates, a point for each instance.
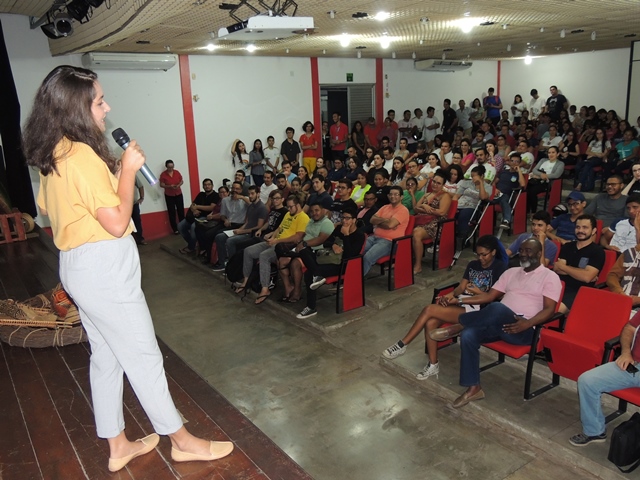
(357, 138)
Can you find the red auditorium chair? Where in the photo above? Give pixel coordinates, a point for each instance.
(352, 281)
(400, 260)
(505, 349)
(444, 245)
(595, 317)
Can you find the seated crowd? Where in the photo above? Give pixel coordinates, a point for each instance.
(304, 215)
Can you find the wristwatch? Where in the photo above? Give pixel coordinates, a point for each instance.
(304, 244)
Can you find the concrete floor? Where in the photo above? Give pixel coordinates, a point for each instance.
(321, 390)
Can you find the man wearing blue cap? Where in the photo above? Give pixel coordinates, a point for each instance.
(563, 228)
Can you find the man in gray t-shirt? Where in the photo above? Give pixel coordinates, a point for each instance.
(228, 240)
(611, 205)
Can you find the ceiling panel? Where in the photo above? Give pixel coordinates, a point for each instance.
(185, 27)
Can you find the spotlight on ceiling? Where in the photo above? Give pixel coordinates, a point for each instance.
(251, 48)
(393, 54)
(381, 16)
(508, 47)
(593, 35)
(528, 59)
(345, 40)
(359, 54)
(61, 26)
(563, 33)
(79, 9)
(385, 41)
(413, 55)
(210, 47)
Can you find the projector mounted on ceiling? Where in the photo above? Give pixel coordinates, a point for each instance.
(263, 27)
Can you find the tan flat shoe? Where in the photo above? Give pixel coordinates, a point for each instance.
(441, 334)
(217, 450)
(463, 399)
(149, 442)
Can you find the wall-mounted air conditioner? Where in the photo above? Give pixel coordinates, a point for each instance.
(441, 65)
(129, 61)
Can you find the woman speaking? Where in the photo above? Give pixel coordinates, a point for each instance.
(88, 196)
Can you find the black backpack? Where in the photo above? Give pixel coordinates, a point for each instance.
(625, 444)
(233, 270)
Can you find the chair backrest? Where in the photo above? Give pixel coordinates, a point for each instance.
(599, 225)
(558, 246)
(610, 257)
(411, 225)
(597, 315)
(583, 147)
(453, 209)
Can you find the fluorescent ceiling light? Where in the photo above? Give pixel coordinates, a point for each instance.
(466, 24)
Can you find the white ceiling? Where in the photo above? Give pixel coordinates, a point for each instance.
(185, 27)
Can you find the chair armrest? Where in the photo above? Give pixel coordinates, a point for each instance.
(601, 286)
(440, 288)
(556, 316)
(611, 346)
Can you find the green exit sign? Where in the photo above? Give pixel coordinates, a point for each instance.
(349, 77)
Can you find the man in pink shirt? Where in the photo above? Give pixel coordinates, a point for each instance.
(531, 293)
(339, 134)
(388, 223)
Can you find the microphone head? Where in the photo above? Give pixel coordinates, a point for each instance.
(121, 137)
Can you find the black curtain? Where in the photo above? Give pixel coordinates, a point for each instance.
(14, 172)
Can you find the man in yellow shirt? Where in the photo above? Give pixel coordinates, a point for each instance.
(291, 232)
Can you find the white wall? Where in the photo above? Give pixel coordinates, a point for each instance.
(147, 104)
(594, 78)
(407, 88)
(252, 97)
(334, 70)
(246, 98)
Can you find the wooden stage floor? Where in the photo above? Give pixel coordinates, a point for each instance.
(48, 431)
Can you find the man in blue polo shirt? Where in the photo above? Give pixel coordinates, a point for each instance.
(563, 227)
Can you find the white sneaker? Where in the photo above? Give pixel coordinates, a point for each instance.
(430, 249)
(306, 313)
(317, 283)
(428, 371)
(394, 351)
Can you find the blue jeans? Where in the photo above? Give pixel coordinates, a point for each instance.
(188, 232)
(227, 245)
(485, 326)
(503, 201)
(585, 174)
(592, 384)
(376, 247)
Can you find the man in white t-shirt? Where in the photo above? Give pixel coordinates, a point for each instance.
(405, 130)
(536, 104)
(481, 159)
(267, 187)
(445, 154)
(526, 157)
(272, 156)
(464, 114)
(431, 126)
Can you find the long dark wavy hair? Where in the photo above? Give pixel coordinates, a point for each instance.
(62, 109)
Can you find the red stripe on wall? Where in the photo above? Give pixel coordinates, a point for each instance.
(498, 81)
(189, 125)
(315, 100)
(155, 225)
(379, 92)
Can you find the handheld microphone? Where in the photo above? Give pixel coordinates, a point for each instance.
(122, 139)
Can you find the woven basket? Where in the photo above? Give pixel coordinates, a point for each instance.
(37, 322)
(31, 337)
